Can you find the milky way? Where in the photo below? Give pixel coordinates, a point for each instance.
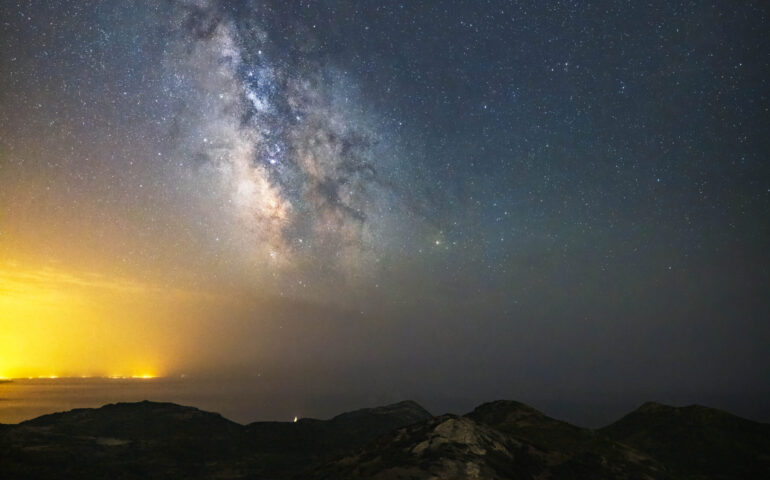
(287, 141)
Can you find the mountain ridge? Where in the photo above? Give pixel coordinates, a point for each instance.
(499, 439)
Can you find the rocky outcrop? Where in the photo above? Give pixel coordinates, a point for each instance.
(446, 447)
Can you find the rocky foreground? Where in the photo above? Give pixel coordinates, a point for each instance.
(498, 440)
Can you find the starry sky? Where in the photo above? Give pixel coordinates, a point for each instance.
(565, 203)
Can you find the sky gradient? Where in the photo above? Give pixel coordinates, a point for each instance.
(361, 202)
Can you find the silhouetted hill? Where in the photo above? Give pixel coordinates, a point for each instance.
(498, 440)
(404, 413)
(137, 421)
(164, 440)
(344, 431)
(286, 448)
(696, 441)
(124, 440)
(582, 452)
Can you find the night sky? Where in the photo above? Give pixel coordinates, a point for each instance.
(356, 202)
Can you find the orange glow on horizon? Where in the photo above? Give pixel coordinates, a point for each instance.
(86, 325)
(109, 377)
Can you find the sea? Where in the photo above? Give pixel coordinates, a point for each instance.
(245, 401)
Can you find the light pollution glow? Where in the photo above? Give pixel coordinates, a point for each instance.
(56, 324)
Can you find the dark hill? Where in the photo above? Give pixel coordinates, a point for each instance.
(344, 431)
(696, 441)
(403, 413)
(128, 440)
(285, 448)
(136, 421)
(582, 452)
(164, 440)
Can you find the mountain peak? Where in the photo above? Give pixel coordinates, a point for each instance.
(403, 407)
(653, 407)
(405, 412)
(509, 414)
(694, 412)
(135, 420)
